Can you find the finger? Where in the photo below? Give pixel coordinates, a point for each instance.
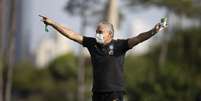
(42, 20)
(41, 16)
(44, 17)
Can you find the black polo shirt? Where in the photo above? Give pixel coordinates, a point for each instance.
(107, 62)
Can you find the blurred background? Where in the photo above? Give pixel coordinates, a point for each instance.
(45, 66)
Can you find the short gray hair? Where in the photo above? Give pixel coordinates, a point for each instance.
(109, 26)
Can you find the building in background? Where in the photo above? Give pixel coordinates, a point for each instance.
(1, 7)
(50, 48)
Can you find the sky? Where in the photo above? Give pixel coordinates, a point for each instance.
(135, 21)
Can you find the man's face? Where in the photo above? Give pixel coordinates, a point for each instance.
(103, 29)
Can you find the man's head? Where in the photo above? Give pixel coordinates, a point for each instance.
(107, 31)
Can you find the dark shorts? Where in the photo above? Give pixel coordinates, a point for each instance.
(107, 96)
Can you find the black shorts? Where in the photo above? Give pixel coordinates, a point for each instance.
(107, 96)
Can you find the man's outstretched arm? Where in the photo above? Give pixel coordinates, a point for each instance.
(143, 36)
(63, 30)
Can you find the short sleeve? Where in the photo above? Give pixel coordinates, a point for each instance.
(123, 45)
(88, 41)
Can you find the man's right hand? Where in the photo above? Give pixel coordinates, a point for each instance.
(46, 20)
(63, 30)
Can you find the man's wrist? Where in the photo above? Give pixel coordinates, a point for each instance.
(153, 31)
(49, 22)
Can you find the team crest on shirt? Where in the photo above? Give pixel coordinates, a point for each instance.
(111, 49)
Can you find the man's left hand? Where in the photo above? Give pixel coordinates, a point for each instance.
(158, 27)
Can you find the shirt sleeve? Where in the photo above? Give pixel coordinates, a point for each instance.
(124, 45)
(88, 41)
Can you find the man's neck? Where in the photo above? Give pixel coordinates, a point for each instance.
(107, 42)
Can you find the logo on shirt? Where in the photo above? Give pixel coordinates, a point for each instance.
(111, 49)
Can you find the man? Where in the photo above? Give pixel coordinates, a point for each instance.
(107, 56)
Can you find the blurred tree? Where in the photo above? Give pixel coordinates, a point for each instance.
(8, 47)
(57, 82)
(112, 12)
(177, 81)
(64, 70)
(1, 50)
(1, 81)
(189, 8)
(179, 77)
(90, 11)
(30, 83)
